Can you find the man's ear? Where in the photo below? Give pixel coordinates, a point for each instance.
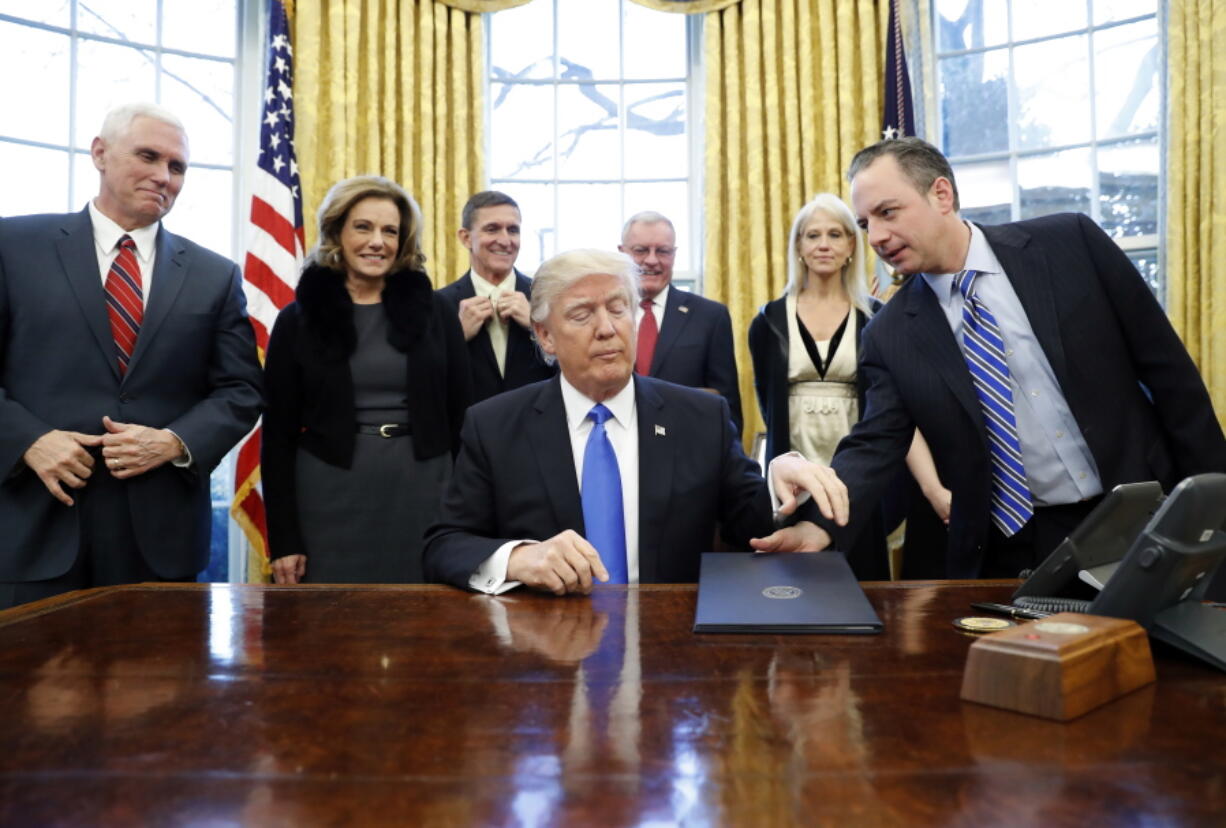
(464, 235)
(942, 194)
(621, 248)
(543, 337)
(96, 150)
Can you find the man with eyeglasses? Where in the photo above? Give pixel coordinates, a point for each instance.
(682, 337)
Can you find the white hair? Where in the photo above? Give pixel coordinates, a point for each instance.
(556, 275)
(853, 275)
(119, 119)
(646, 217)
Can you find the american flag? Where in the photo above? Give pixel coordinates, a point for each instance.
(275, 245)
(898, 118)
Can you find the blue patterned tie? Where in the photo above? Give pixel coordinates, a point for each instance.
(603, 517)
(984, 349)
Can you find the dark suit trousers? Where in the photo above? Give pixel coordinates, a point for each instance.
(108, 554)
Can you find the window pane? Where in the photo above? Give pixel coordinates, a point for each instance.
(204, 211)
(671, 199)
(1126, 79)
(521, 42)
(1128, 188)
(656, 145)
(133, 20)
(975, 103)
(108, 76)
(1053, 93)
(201, 93)
(1146, 262)
(655, 44)
(206, 26)
(588, 131)
(54, 12)
(589, 215)
(985, 189)
(966, 24)
(1037, 18)
(85, 180)
(521, 131)
(35, 180)
(1107, 10)
(587, 40)
(1055, 183)
(538, 232)
(40, 60)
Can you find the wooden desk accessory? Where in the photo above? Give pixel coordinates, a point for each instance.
(1059, 667)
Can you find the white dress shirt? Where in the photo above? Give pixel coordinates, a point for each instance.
(106, 245)
(495, 325)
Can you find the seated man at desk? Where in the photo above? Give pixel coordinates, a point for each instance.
(603, 475)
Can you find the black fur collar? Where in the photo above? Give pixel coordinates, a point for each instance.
(408, 299)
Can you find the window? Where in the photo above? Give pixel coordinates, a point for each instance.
(591, 119)
(66, 63)
(1056, 105)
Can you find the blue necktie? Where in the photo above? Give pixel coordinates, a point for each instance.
(984, 349)
(603, 517)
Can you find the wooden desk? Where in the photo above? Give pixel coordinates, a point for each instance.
(210, 705)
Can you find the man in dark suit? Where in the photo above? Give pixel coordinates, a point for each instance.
(129, 370)
(688, 338)
(599, 474)
(492, 298)
(1041, 328)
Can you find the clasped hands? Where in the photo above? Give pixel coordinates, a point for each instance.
(476, 310)
(61, 458)
(567, 563)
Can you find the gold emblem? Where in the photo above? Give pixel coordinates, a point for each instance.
(982, 624)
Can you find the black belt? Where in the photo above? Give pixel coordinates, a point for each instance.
(385, 430)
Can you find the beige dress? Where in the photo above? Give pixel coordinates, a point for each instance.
(820, 411)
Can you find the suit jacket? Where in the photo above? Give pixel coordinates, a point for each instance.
(194, 371)
(310, 385)
(515, 479)
(1134, 391)
(695, 348)
(524, 363)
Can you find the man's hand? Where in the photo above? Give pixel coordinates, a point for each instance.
(514, 305)
(288, 569)
(59, 459)
(802, 537)
(565, 631)
(129, 449)
(474, 312)
(791, 474)
(563, 564)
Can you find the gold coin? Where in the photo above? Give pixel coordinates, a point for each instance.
(982, 623)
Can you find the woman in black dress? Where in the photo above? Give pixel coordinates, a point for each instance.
(367, 383)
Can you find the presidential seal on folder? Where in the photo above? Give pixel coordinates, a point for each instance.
(804, 592)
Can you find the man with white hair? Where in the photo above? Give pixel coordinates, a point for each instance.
(682, 337)
(602, 475)
(127, 370)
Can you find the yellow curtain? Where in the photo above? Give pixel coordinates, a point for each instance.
(394, 88)
(1196, 186)
(793, 90)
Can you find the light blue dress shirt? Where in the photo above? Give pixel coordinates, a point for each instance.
(1059, 466)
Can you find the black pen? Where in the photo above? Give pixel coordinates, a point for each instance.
(1012, 612)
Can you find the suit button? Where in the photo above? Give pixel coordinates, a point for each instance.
(125, 398)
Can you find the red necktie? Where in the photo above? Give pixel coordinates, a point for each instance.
(124, 305)
(649, 332)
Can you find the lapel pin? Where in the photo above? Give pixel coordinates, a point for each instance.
(684, 309)
(660, 431)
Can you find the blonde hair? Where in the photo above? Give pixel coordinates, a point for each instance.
(853, 277)
(335, 210)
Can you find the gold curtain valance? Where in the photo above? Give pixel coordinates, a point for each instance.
(686, 6)
(480, 6)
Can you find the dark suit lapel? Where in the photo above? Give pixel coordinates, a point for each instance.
(79, 259)
(929, 330)
(549, 436)
(169, 272)
(676, 316)
(519, 339)
(1031, 275)
(658, 436)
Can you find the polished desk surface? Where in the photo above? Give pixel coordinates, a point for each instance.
(216, 705)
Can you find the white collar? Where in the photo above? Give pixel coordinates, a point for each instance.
(620, 405)
(107, 233)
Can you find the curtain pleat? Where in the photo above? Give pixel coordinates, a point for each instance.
(1196, 186)
(394, 88)
(793, 90)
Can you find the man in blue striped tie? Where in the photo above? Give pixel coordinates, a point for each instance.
(1033, 357)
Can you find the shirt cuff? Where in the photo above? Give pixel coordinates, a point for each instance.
(186, 459)
(801, 499)
(491, 576)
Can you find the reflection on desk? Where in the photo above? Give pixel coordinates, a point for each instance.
(424, 705)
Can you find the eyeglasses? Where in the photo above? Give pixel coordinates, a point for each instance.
(640, 252)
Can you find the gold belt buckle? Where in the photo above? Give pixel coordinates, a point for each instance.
(383, 429)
